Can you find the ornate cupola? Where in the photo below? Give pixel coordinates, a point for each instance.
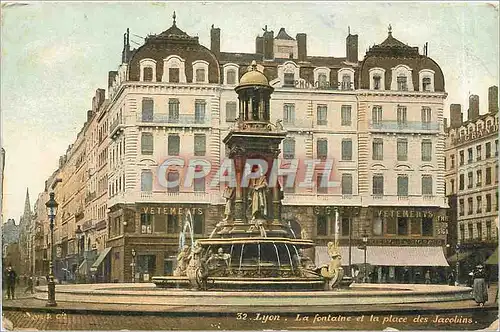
(254, 93)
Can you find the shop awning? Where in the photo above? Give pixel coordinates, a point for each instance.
(387, 256)
(493, 259)
(460, 257)
(100, 259)
(82, 269)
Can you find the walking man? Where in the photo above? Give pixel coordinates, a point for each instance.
(10, 281)
(29, 286)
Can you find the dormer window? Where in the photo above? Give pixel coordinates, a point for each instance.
(174, 70)
(148, 70)
(346, 78)
(322, 80)
(173, 75)
(231, 76)
(402, 83)
(346, 82)
(289, 79)
(288, 74)
(426, 78)
(376, 82)
(200, 71)
(321, 77)
(426, 84)
(200, 75)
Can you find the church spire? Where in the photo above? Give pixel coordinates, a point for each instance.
(27, 205)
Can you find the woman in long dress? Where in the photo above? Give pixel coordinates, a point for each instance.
(479, 290)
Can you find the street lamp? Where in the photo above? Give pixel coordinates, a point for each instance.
(51, 285)
(457, 265)
(365, 242)
(78, 235)
(133, 265)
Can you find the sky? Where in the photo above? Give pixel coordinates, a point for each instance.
(55, 55)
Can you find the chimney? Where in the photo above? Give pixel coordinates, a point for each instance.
(111, 78)
(351, 48)
(302, 46)
(473, 111)
(268, 44)
(493, 99)
(215, 40)
(89, 115)
(455, 115)
(100, 95)
(259, 45)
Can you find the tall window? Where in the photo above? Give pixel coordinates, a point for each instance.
(462, 157)
(402, 83)
(346, 149)
(231, 76)
(377, 115)
(321, 225)
(289, 80)
(469, 154)
(402, 149)
(346, 82)
(402, 185)
(147, 109)
(322, 148)
(146, 221)
(173, 75)
(320, 187)
(479, 178)
(199, 184)
(173, 110)
(402, 226)
(322, 81)
(378, 149)
(426, 150)
(147, 143)
(288, 113)
(425, 116)
(200, 144)
(346, 184)
(470, 228)
(173, 178)
(172, 222)
(200, 75)
(478, 152)
(376, 82)
(401, 114)
(488, 202)
(488, 230)
(470, 205)
(461, 207)
(231, 111)
(322, 115)
(146, 181)
(488, 175)
(479, 203)
(346, 224)
(452, 161)
(199, 111)
(345, 113)
(378, 185)
(427, 185)
(426, 84)
(198, 223)
(462, 233)
(148, 74)
(288, 148)
(452, 183)
(470, 180)
(173, 145)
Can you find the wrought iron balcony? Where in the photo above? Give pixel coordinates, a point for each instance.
(391, 125)
(181, 119)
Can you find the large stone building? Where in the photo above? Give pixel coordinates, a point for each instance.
(2, 170)
(380, 121)
(10, 234)
(472, 181)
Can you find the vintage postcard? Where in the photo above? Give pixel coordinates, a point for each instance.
(249, 165)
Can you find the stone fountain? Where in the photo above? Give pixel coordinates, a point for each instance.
(251, 247)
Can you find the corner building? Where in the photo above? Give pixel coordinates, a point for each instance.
(174, 98)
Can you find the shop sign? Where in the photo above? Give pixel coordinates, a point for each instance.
(172, 210)
(405, 242)
(407, 213)
(476, 134)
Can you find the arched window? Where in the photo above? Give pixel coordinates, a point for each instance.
(376, 82)
(426, 84)
(402, 83)
(148, 74)
(200, 75)
(231, 76)
(322, 80)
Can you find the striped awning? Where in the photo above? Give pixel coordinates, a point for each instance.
(387, 256)
(100, 259)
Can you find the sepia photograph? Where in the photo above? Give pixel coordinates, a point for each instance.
(264, 166)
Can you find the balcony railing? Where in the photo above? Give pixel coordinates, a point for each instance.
(404, 126)
(181, 119)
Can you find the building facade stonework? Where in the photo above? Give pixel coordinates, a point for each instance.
(380, 120)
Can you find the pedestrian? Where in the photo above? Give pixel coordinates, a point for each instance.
(29, 286)
(479, 289)
(37, 281)
(451, 279)
(428, 277)
(10, 281)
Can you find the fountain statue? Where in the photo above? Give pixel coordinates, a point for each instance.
(251, 247)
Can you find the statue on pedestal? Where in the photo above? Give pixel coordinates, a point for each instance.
(182, 261)
(196, 270)
(333, 272)
(228, 195)
(258, 197)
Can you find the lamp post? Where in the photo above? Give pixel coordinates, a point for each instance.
(78, 235)
(365, 242)
(457, 265)
(133, 265)
(51, 285)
